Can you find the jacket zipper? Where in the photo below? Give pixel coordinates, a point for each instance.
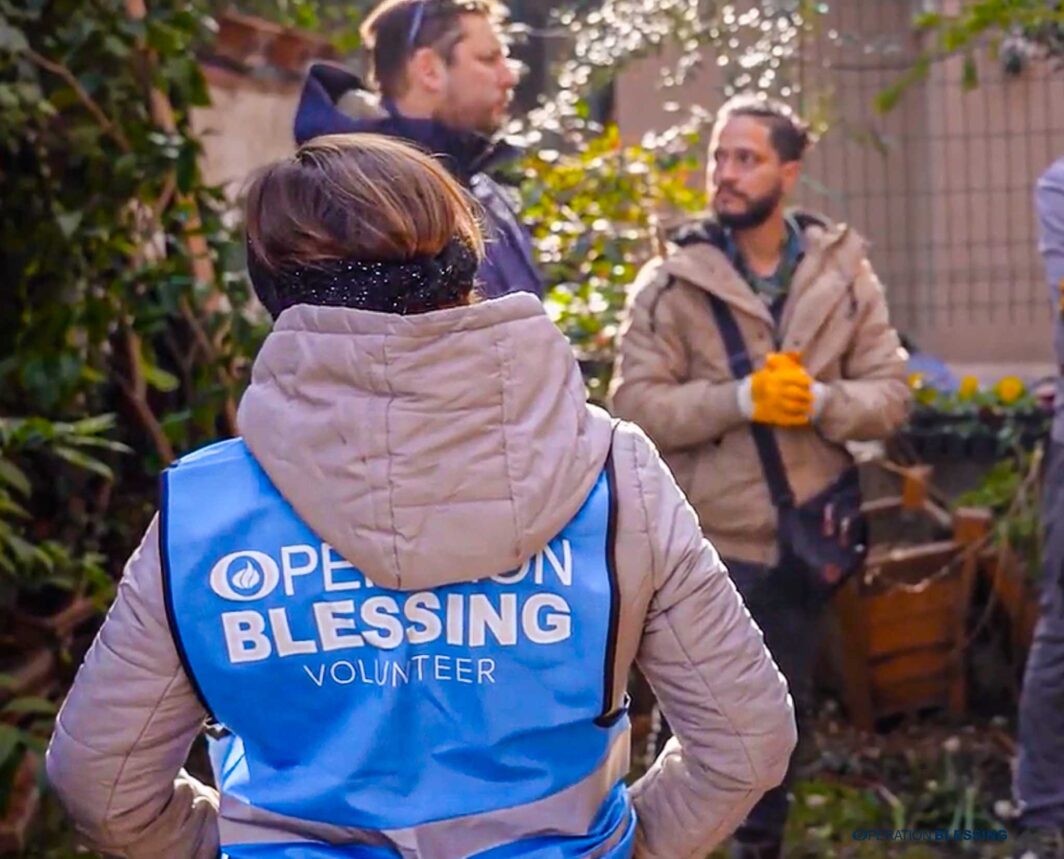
(609, 715)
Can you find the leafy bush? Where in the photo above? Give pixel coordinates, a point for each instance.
(44, 547)
(119, 261)
(1011, 489)
(32, 561)
(121, 299)
(595, 214)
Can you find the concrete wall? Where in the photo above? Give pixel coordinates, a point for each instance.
(247, 125)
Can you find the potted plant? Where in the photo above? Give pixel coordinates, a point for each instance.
(974, 423)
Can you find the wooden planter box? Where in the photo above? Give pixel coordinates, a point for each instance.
(903, 622)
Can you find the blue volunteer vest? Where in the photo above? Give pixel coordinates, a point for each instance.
(351, 704)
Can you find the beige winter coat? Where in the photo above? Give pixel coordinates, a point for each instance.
(433, 449)
(672, 377)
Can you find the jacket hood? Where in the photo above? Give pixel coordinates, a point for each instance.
(819, 232)
(697, 254)
(337, 101)
(428, 449)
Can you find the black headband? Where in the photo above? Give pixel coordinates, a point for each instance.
(415, 285)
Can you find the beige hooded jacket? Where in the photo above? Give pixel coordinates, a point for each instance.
(428, 450)
(673, 379)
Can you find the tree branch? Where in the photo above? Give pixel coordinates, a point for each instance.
(135, 389)
(166, 197)
(87, 100)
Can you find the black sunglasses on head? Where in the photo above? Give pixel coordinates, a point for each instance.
(417, 19)
(415, 23)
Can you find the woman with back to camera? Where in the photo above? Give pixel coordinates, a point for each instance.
(408, 597)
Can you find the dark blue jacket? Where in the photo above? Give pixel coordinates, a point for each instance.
(509, 265)
(1049, 203)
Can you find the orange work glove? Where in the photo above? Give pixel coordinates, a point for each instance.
(781, 392)
(783, 359)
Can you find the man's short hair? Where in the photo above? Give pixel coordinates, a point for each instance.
(395, 29)
(788, 132)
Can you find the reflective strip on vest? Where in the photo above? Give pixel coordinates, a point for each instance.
(357, 706)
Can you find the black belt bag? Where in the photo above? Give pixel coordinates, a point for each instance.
(825, 537)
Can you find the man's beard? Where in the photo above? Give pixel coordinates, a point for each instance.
(487, 124)
(758, 211)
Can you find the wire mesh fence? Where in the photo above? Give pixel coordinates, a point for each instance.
(941, 185)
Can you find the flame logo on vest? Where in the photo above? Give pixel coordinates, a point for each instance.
(245, 576)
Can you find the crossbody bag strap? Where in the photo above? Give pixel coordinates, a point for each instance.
(768, 450)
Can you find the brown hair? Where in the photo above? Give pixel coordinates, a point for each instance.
(361, 196)
(397, 28)
(355, 198)
(789, 134)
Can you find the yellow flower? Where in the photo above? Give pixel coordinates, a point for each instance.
(968, 388)
(1009, 389)
(923, 393)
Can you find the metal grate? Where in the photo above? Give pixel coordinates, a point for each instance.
(942, 185)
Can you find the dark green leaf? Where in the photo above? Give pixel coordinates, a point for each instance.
(11, 740)
(11, 40)
(24, 553)
(11, 475)
(28, 705)
(187, 169)
(93, 425)
(9, 507)
(98, 443)
(159, 379)
(116, 46)
(81, 460)
(36, 743)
